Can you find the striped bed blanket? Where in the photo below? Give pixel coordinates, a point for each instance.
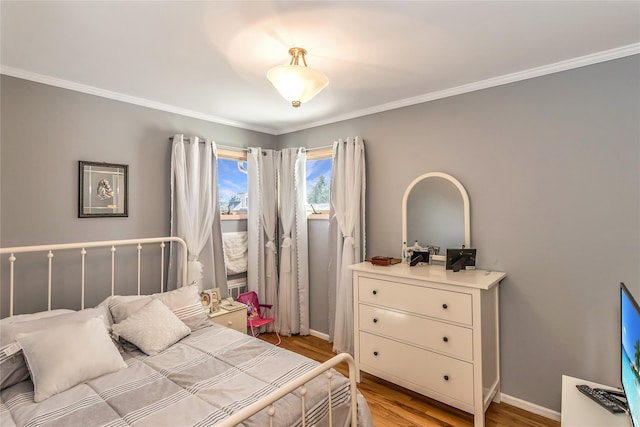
(198, 381)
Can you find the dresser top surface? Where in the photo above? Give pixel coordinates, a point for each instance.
(479, 279)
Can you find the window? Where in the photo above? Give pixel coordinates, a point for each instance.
(232, 184)
(319, 164)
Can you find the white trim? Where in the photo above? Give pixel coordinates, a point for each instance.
(530, 407)
(92, 90)
(582, 61)
(318, 334)
(505, 398)
(594, 58)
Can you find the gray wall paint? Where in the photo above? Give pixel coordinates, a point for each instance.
(46, 130)
(552, 168)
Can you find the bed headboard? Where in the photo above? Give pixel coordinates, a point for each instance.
(84, 247)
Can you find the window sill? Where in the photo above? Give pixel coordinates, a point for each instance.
(243, 216)
(233, 217)
(324, 216)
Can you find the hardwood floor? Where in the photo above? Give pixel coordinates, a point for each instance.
(394, 406)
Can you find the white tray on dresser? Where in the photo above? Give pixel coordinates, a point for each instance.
(430, 330)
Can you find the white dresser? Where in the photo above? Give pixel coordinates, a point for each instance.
(430, 330)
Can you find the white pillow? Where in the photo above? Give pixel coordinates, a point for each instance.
(12, 365)
(64, 356)
(33, 316)
(184, 302)
(152, 329)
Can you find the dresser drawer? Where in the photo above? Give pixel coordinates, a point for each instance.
(442, 374)
(438, 303)
(443, 337)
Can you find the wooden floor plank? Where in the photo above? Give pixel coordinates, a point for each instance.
(395, 406)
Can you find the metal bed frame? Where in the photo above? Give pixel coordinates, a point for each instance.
(243, 414)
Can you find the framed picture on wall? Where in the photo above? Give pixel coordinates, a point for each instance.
(103, 190)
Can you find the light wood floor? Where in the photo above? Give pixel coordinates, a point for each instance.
(394, 406)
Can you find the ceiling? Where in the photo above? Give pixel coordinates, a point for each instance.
(209, 59)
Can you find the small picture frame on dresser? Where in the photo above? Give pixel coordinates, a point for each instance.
(205, 299)
(210, 299)
(215, 299)
(461, 259)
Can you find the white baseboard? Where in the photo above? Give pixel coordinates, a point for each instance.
(530, 407)
(320, 335)
(513, 401)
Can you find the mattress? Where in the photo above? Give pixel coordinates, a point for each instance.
(199, 381)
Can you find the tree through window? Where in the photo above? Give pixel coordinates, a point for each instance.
(319, 166)
(232, 182)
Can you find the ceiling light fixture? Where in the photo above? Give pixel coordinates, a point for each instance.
(297, 83)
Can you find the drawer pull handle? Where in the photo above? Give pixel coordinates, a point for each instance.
(375, 353)
(229, 323)
(445, 339)
(375, 292)
(446, 377)
(375, 320)
(444, 306)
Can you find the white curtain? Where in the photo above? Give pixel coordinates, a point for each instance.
(195, 211)
(347, 237)
(293, 293)
(262, 273)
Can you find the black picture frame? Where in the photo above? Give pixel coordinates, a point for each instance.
(461, 259)
(103, 190)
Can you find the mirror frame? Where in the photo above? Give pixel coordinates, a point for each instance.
(465, 202)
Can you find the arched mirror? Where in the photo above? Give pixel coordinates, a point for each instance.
(435, 212)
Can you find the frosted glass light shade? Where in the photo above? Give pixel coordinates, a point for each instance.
(297, 83)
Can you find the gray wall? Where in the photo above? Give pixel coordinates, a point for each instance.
(46, 130)
(552, 168)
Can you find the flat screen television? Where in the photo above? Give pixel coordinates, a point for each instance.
(630, 352)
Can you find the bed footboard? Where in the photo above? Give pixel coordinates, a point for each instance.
(299, 383)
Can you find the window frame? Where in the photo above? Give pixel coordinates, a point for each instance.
(319, 154)
(313, 154)
(232, 155)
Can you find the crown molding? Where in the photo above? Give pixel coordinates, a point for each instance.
(582, 61)
(92, 90)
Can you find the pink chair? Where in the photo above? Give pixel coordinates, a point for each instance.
(256, 313)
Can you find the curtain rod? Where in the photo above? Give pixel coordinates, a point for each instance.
(225, 147)
(228, 147)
